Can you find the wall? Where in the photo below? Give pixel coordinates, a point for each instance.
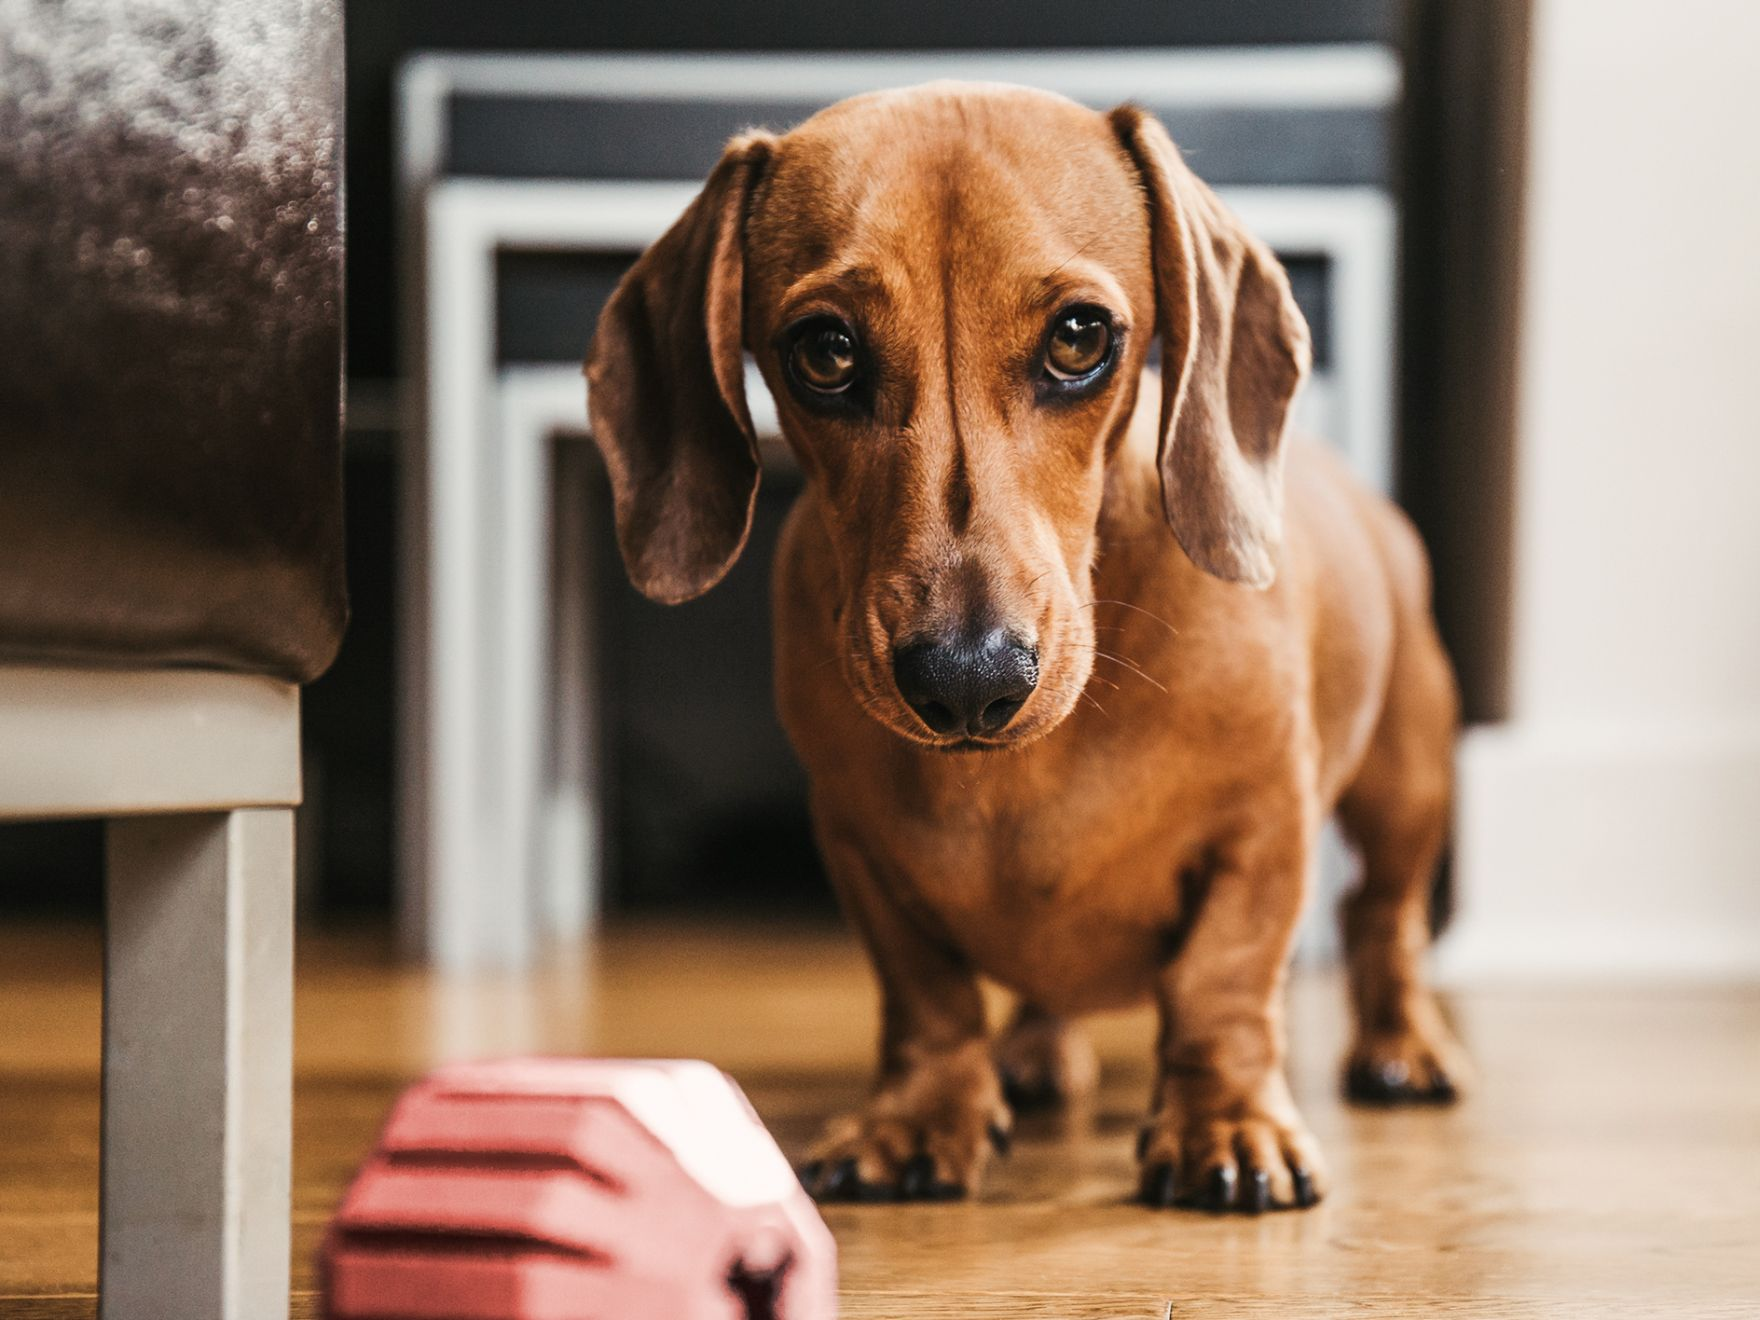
(1613, 824)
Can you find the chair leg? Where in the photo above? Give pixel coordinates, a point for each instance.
(198, 1067)
(572, 874)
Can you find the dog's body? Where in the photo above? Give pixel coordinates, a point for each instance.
(1146, 732)
(1065, 870)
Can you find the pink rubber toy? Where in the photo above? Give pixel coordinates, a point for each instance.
(577, 1189)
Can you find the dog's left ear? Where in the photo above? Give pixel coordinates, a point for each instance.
(666, 392)
(1235, 350)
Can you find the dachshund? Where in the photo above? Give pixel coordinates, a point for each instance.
(1079, 653)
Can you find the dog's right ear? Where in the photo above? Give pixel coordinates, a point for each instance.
(666, 392)
(1235, 351)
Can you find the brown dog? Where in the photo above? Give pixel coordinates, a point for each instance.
(951, 291)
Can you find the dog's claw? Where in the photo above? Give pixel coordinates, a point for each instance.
(915, 1178)
(919, 1183)
(1160, 1184)
(844, 1180)
(1219, 1192)
(841, 1183)
(1305, 1193)
(1000, 1138)
(1391, 1083)
(1393, 1077)
(1258, 1193)
(1247, 1166)
(1376, 1084)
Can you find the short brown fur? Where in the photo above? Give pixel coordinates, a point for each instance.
(1145, 826)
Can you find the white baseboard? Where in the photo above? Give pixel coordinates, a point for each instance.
(1603, 853)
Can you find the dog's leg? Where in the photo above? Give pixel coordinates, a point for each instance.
(937, 1110)
(1225, 1134)
(1045, 1061)
(1397, 812)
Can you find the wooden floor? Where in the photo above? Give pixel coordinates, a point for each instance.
(1608, 1165)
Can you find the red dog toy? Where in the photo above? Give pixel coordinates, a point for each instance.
(563, 1189)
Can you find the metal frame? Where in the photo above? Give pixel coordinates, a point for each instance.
(496, 823)
(198, 774)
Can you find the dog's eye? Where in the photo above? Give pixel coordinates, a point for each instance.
(824, 357)
(1080, 343)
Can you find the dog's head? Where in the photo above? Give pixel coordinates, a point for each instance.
(950, 291)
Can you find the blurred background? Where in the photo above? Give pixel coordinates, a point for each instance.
(512, 741)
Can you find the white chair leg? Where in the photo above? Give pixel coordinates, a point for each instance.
(447, 876)
(516, 539)
(198, 1067)
(572, 869)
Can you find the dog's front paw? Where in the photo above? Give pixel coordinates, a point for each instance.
(1418, 1065)
(1249, 1163)
(925, 1136)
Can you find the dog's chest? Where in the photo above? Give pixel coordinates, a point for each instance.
(1064, 885)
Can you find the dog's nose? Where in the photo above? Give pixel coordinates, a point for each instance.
(966, 686)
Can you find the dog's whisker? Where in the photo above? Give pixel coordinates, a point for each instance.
(1138, 608)
(1096, 649)
(1127, 662)
(1124, 661)
(1120, 660)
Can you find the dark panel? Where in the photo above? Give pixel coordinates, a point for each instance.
(705, 803)
(547, 303)
(515, 137)
(898, 24)
(1310, 280)
(53, 868)
(170, 302)
(348, 716)
(1463, 170)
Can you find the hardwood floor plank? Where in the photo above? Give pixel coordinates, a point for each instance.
(1607, 1165)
